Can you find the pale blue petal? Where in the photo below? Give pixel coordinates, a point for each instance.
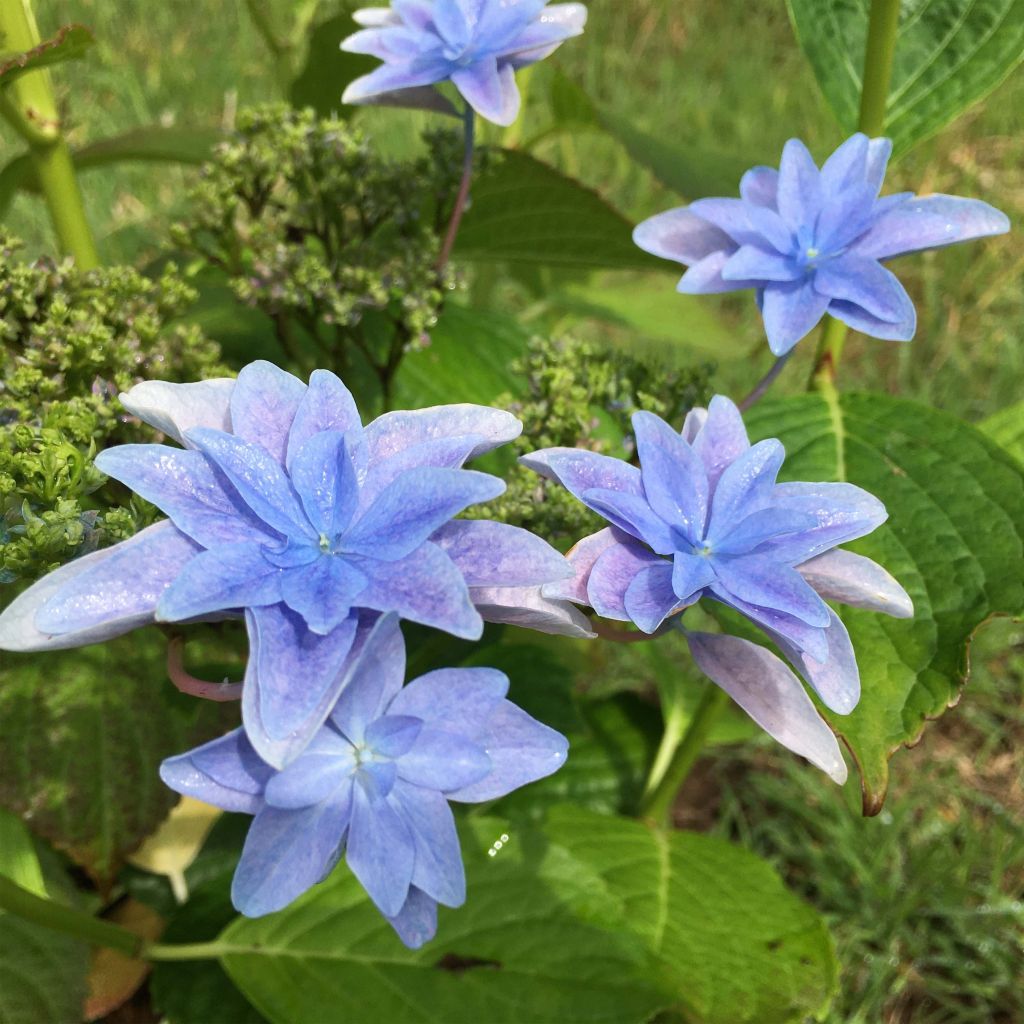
(847, 216)
(855, 580)
(759, 187)
(443, 760)
(759, 527)
(705, 276)
(263, 406)
(682, 236)
(324, 767)
(380, 852)
(650, 598)
(867, 284)
(489, 89)
(579, 471)
(175, 409)
(390, 78)
(846, 168)
(581, 557)
(799, 194)
(836, 678)
(632, 515)
(761, 581)
(325, 479)
(860, 320)
(392, 735)
(394, 432)
(496, 554)
(326, 405)
(810, 639)
(791, 312)
(323, 592)
(437, 870)
(722, 438)
(746, 486)
(416, 923)
(611, 575)
(754, 263)
(690, 574)
(457, 700)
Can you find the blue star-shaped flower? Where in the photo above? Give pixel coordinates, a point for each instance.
(282, 505)
(812, 242)
(703, 516)
(374, 784)
(478, 45)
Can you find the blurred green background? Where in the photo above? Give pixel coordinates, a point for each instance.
(927, 900)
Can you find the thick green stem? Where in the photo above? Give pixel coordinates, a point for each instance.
(883, 29)
(657, 804)
(30, 107)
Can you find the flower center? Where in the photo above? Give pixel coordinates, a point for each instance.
(325, 543)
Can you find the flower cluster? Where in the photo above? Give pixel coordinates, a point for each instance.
(374, 782)
(703, 516)
(812, 241)
(477, 45)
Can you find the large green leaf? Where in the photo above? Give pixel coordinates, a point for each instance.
(1006, 428)
(82, 733)
(954, 539)
(524, 211)
(591, 918)
(949, 55)
(67, 43)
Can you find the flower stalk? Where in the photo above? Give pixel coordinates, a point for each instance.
(29, 106)
(461, 198)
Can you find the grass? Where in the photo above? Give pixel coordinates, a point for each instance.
(925, 899)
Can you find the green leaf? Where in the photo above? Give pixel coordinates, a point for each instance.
(949, 55)
(524, 211)
(18, 859)
(589, 919)
(954, 539)
(1006, 428)
(468, 359)
(328, 69)
(82, 734)
(67, 43)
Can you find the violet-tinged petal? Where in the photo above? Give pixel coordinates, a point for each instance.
(836, 678)
(791, 312)
(489, 89)
(380, 851)
(263, 406)
(674, 481)
(326, 405)
(847, 166)
(705, 276)
(745, 486)
(762, 581)
(390, 78)
(392, 735)
(258, 477)
(860, 320)
(416, 923)
(733, 217)
(930, 222)
(839, 575)
(292, 681)
(649, 598)
(325, 480)
(581, 557)
(633, 515)
(425, 587)
(226, 772)
(690, 574)
(799, 193)
(754, 263)
(810, 639)
(225, 577)
(693, 424)
(393, 432)
(175, 409)
(531, 608)
(846, 216)
(458, 700)
(879, 151)
(759, 186)
(521, 750)
(443, 761)
(316, 776)
(496, 554)
(287, 852)
(722, 438)
(578, 470)
(185, 485)
(613, 572)
(759, 527)
(376, 17)
(323, 592)
(680, 235)
(373, 678)
(437, 869)
(98, 596)
(388, 43)
(867, 284)
(773, 697)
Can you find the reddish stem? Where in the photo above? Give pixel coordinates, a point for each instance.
(188, 683)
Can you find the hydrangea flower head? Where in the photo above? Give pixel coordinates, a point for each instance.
(374, 784)
(282, 505)
(813, 241)
(478, 45)
(704, 516)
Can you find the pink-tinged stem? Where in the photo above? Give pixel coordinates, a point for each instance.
(765, 382)
(187, 683)
(469, 121)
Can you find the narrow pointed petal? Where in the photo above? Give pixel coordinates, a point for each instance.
(226, 773)
(722, 438)
(521, 750)
(326, 405)
(496, 554)
(844, 218)
(693, 424)
(263, 406)
(690, 574)
(174, 409)
(286, 853)
(867, 284)
(375, 17)
(773, 697)
(613, 572)
(394, 432)
(581, 557)
(490, 89)
(745, 486)
(186, 486)
(414, 506)
(437, 870)
(759, 186)
(392, 78)
(847, 166)
(425, 587)
(765, 525)
(258, 478)
(323, 592)
(680, 235)
(393, 735)
(443, 761)
(754, 263)
(851, 579)
(791, 312)
(578, 471)
(324, 478)
(416, 923)
(323, 768)
(632, 515)
(649, 599)
(674, 480)
(760, 580)
(459, 700)
(860, 320)
(809, 639)
(381, 851)
(225, 577)
(98, 596)
(879, 151)
(292, 681)
(531, 608)
(557, 23)
(745, 224)
(842, 512)
(705, 277)
(930, 222)
(799, 195)
(836, 678)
